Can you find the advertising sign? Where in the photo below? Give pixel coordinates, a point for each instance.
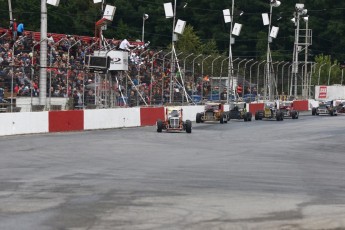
(118, 60)
(323, 92)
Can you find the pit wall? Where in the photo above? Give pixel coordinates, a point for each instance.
(79, 120)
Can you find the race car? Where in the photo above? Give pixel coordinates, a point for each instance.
(239, 112)
(212, 112)
(174, 121)
(286, 107)
(325, 108)
(270, 112)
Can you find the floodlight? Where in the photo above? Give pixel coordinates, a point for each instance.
(306, 19)
(53, 2)
(276, 3)
(226, 14)
(304, 12)
(237, 29)
(265, 19)
(299, 6)
(241, 13)
(97, 1)
(179, 28)
(169, 13)
(293, 20)
(109, 12)
(145, 16)
(274, 31)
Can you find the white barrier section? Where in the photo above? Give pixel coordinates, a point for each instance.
(111, 118)
(312, 104)
(23, 123)
(189, 112)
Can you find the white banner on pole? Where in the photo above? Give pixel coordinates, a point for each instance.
(169, 13)
(226, 14)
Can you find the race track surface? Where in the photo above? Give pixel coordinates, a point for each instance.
(240, 175)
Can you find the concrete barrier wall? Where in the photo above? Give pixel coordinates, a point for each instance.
(255, 107)
(189, 112)
(301, 105)
(23, 123)
(149, 116)
(62, 121)
(111, 118)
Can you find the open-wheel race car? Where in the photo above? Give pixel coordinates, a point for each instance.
(174, 121)
(239, 111)
(325, 108)
(213, 112)
(270, 112)
(286, 107)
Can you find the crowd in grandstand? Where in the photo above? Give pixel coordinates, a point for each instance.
(147, 81)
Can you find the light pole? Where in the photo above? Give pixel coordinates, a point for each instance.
(68, 65)
(230, 64)
(299, 12)
(282, 91)
(221, 75)
(257, 77)
(153, 56)
(184, 72)
(290, 79)
(277, 75)
(329, 73)
(273, 3)
(250, 79)
(244, 76)
(145, 17)
(238, 68)
(202, 76)
(212, 75)
(32, 70)
(193, 67)
(305, 81)
(318, 80)
(172, 68)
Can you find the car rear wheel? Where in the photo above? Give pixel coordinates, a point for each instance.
(188, 126)
(313, 111)
(198, 117)
(159, 126)
(256, 116)
(293, 114)
(249, 116)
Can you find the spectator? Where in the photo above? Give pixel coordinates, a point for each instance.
(125, 45)
(20, 29)
(13, 27)
(223, 95)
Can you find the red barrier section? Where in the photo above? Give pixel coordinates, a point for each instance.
(60, 121)
(149, 116)
(253, 107)
(301, 105)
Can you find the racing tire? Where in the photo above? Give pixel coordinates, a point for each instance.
(225, 118)
(221, 120)
(293, 114)
(313, 111)
(188, 126)
(159, 126)
(249, 116)
(257, 116)
(198, 118)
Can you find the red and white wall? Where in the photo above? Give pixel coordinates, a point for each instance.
(79, 120)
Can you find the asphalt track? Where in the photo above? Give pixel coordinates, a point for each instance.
(253, 175)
